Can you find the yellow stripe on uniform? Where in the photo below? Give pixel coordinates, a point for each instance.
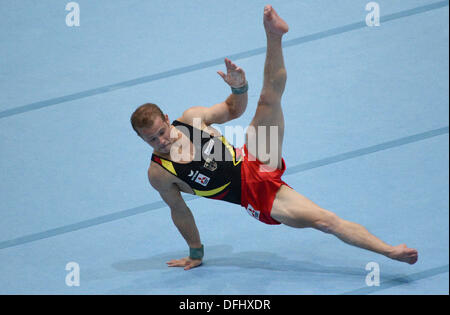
(207, 193)
(168, 166)
(230, 148)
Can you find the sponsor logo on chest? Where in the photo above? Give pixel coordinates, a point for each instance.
(199, 178)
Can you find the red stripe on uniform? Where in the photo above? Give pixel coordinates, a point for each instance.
(157, 159)
(221, 195)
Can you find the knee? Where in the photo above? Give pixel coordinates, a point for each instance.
(265, 99)
(327, 223)
(268, 100)
(278, 77)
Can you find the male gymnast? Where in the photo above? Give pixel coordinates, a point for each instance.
(191, 156)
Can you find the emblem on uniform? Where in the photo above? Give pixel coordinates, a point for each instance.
(210, 164)
(202, 179)
(193, 175)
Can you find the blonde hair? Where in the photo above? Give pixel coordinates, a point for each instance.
(144, 116)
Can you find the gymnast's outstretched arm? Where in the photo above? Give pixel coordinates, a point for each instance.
(182, 218)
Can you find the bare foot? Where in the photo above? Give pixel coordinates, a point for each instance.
(273, 23)
(404, 254)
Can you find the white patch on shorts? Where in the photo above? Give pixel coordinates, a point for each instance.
(252, 212)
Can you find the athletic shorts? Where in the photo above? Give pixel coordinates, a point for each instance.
(259, 187)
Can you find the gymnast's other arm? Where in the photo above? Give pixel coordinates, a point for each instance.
(181, 216)
(232, 108)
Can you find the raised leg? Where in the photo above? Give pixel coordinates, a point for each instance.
(269, 112)
(293, 209)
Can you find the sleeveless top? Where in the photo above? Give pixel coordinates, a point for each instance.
(215, 171)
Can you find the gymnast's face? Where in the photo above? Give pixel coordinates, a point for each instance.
(158, 135)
